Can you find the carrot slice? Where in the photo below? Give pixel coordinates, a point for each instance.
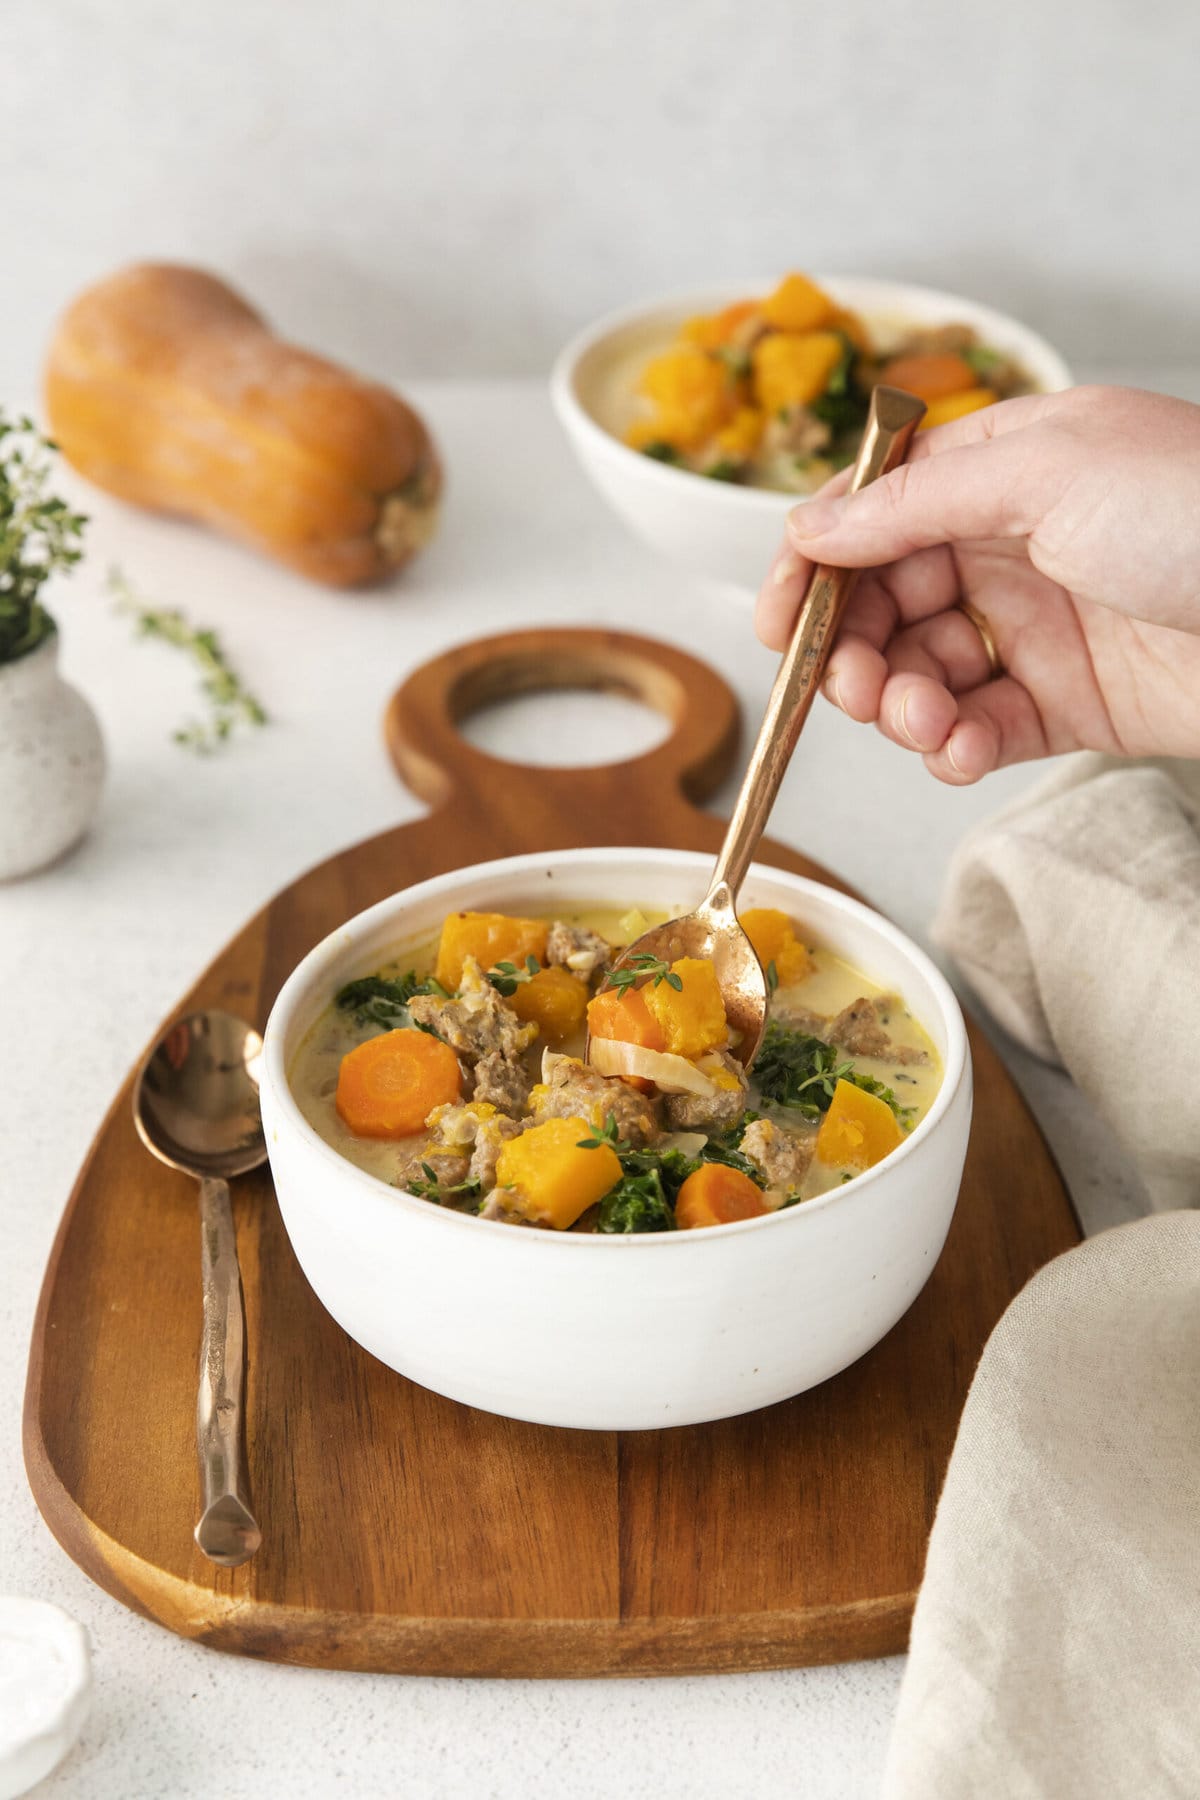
(716, 1195)
(387, 1086)
(929, 374)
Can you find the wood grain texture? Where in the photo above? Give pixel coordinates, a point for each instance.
(477, 1545)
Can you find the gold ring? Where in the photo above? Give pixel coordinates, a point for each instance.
(980, 622)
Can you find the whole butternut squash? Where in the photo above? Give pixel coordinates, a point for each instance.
(164, 387)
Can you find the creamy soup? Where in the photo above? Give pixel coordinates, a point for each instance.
(456, 1072)
(773, 390)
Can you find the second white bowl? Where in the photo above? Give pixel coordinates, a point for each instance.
(727, 532)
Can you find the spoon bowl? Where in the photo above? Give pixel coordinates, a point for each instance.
(195, 1106)
(196, 1101)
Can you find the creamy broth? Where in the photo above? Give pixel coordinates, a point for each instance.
(895, 1059)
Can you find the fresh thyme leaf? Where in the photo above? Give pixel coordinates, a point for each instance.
(644, 967)
(506, 978)
(39, 535)
(772, 976)
(661, 451)
(229, 703)
(725, 469)
(607, 1134)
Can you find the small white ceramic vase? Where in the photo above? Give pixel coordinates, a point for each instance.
(51, 762)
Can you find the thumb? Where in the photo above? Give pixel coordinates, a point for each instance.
(986, 490)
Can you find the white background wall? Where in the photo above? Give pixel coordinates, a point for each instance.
(452, 186)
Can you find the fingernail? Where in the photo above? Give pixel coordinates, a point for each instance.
(832, 692)
(902, 719)
(785, 569)
(816, 517)
(951, 758)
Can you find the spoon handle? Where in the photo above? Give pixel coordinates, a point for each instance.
(893, 418)
(227, 1532)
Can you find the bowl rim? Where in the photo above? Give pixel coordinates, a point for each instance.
(311, 968)
(575, 417)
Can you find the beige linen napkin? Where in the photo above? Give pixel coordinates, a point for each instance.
(1075, 915)
(1056, 1644)
(1055, 1648)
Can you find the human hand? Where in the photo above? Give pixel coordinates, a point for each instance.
(1072, 522)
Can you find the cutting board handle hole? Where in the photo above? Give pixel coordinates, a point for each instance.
(565, 729)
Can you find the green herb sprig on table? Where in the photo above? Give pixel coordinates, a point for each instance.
(230, 704)
(641, 968)
(39, 534)
(796, 1070)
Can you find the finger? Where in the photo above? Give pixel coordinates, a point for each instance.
(924, 583)
(854, 679)
(948, 648)
(917, 712)
(985, 490)
(997, 725)
(779, 597)
(782, 590)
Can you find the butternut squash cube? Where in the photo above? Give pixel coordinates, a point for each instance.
(691, 1017)
(794, 371)
(797, 304)
(956, 406)
(551, 1179)
(555, 1000)
(490, 938)
(691, 394)
(858, 1131)
(774, 938)
(740, 438)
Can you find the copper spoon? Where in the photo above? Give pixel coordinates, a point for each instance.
(195, 1105)
(712, 932)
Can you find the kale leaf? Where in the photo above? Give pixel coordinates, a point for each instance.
(637, 1203)
(661, 451)
(381, 1001)
(797, 1070)
(723, 1149)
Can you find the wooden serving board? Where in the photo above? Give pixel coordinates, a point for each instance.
(406, 1532)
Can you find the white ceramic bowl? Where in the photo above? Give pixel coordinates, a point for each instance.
(724, 531)
(616, 1332)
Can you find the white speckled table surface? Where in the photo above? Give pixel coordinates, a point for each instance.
(96, 951)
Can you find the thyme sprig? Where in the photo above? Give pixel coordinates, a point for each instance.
(428, 1186)
(230, 703)
(644, 967)
(506, 978)
(39, 534)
